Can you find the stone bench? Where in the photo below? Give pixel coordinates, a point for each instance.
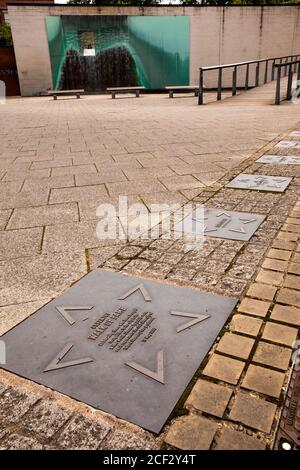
(184, 88)
(130, 89)
(56, 93)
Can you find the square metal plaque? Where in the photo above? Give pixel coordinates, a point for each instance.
(125, 345)
(288, 144)
(279, 159)
(221, 224)
(294, 134)
(260, 182)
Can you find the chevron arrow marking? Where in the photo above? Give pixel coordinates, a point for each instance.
(57, 364)
(139, 287)
(197, 318)
(224, 213)
(157, 375)
(247, 221)
(62, 309)
(240, 230)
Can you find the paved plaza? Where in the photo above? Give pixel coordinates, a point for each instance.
(59, 160)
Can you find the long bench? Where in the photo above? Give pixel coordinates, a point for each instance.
(56, 93)
(129, 89)
(179, 89)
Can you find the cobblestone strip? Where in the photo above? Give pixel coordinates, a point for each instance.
(34, 417)
(237, 396)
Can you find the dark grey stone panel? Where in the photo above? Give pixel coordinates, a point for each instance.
(221, 224)
(279, 159)
(260, 182)
(126, 345)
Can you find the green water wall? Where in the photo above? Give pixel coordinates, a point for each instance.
(151, 51)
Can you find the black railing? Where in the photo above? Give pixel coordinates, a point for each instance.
(281, 62)
(292, 66)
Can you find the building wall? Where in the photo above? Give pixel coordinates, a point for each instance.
(217, 35)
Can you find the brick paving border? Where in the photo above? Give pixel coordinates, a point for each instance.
(240, 388)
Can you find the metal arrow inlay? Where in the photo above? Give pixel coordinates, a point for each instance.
(139, 287)
(157, 375)
(209, 229)
(62, 309)
(197, 318)
(57, 364)
(237, 230)
(247, 221)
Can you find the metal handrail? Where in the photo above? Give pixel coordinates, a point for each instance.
(283, 62)
(290, 79)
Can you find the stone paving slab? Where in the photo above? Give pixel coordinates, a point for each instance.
(288, 144)
(278, 159)
(221, 224)
(115, 356)
(260, 183)
(226, 267)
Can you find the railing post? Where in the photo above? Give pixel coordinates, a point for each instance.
(277, 96)
(266, 72)
(219, 93)
(285, 68)
(298, 80)
(200, 94)
(257, 75)
(234, 80)
(247, 78)
(273, 70)
(289, 85)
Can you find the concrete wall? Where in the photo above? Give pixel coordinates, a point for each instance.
(217, 35)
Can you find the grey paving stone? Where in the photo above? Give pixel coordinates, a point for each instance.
(176, 183)
(33, 197)
(14, 404)
(18, 442)
(53, 182)
(51, 163)
(14, 175)
(279, 159)
(288, 144)
(45, 418)
(40, 277)
(191, 433)
(3, 431)
(230, 439)
(259, 182)
(51, 214)
(4, 217)
(137, 174)
(84, 433)
(73, 170)
(18, 243)
(77, 194)
(10, 187)
(221, 224)
(138, 187)
(253, 411)
(76, 236)
(129, 438)
(88, 179)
